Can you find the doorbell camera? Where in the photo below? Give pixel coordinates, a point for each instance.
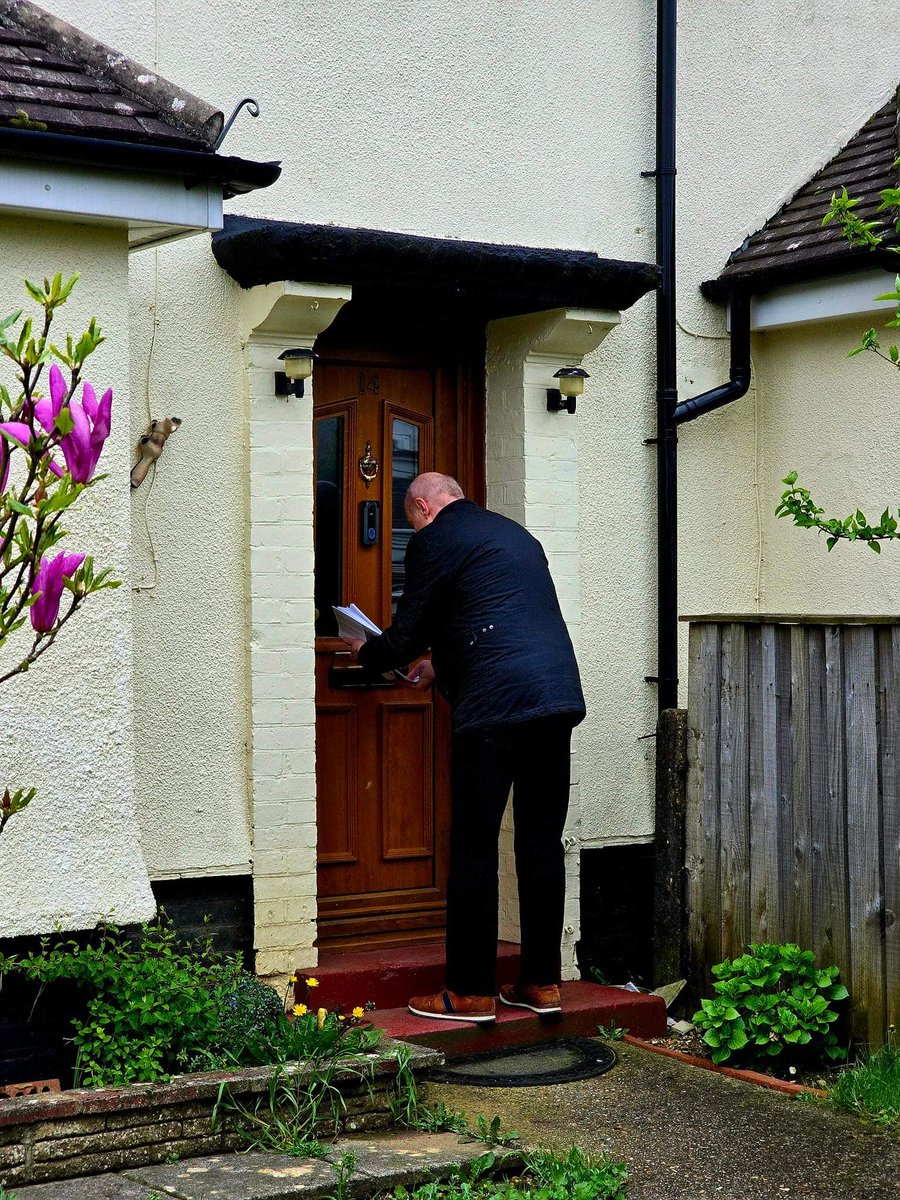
(369, 522)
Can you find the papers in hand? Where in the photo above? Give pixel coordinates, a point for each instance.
(353, 624)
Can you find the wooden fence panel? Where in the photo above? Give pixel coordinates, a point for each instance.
(793, 798)
(833, 882)
(734, 792)
(702, 820)
(889, 714)
(765, 901)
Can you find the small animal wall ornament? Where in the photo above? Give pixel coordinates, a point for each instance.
(150, 447)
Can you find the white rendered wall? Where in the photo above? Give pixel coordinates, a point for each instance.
(66, 727)
(532, 477)
(189, 567)
(469, 121)
(836, 421)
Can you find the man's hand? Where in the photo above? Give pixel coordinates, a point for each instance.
(421, 676)
(354, 644)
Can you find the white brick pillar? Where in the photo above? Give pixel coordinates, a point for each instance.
(532, 477)
(282, 631)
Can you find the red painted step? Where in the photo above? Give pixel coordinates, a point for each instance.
(387, 977)
(585, 1006)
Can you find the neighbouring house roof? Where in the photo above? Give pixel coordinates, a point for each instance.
(100, 108)
(492, 280)
(793, 245)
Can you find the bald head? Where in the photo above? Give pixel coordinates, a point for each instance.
(427, 495)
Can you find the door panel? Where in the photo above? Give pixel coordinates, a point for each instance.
(382, 819)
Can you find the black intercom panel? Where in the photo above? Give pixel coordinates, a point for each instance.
(369, 522)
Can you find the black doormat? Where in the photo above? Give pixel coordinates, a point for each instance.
(542, 1064)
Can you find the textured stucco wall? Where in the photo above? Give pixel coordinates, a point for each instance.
(189, 566)
(66, 727)
(526, 122)
(836, 421)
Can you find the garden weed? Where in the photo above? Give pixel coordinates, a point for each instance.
(871, 1088)
(299, 1106)
(344, 1169)
(408, 1110)
(546, 1175)
(611, 1032)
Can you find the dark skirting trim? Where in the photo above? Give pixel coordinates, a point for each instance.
(497, 280)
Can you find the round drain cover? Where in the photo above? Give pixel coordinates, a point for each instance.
(542, 1064)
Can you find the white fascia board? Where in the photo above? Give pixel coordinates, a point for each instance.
(822, 300)
(97, 196)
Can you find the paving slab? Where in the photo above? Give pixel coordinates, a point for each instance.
(252, 1176)
(94, 1187)
(407, 1157)
(382, 1162)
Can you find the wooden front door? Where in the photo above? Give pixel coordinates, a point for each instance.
(382, 749)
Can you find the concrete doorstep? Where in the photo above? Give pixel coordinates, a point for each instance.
(381, 1162)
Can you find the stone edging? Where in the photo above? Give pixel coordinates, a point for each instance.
(756, 1077)
(90, 1130)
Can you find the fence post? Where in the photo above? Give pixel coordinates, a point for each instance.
(671, 805)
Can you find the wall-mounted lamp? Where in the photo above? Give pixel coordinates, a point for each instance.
(298, 365)
(571, 385)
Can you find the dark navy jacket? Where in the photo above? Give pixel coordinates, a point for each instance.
(479, 593)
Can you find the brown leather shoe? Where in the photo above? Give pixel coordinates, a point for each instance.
(529, 995)
(451, 1006)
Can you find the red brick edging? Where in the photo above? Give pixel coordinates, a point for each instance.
(757, 1077)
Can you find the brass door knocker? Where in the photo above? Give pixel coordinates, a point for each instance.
(368, 466)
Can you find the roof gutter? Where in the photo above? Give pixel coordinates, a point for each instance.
(235, 175)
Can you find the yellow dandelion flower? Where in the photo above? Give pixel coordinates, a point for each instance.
(342, 1017)
(293, 979)
(300, 1010)
(312, 983)
(358, 1012)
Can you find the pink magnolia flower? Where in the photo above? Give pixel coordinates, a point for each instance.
(82, 447)
(47, 411)
(48, 587)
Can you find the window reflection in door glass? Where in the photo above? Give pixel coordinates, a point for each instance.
(329, 508)
(404, 469)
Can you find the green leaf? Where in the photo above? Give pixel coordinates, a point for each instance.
(876, 546)
(63, 423)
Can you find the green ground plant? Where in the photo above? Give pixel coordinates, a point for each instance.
(301, 1107)
(545, 1176)
(155, 1005)
(611, 1032)
(870, 1087)
(151, 1001)
(771, 1000)
(410, 1112)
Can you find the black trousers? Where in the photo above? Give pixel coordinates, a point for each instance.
(533, 759)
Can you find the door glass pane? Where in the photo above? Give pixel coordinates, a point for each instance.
(404, 468)
(329, 519)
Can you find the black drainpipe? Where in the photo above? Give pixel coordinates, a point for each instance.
(669, 413)
(739, 375)
(666, 381)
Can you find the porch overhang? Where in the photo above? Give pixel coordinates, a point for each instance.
(489, 279)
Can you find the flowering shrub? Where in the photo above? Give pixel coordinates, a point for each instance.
(36, 488)
(155, 1004)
